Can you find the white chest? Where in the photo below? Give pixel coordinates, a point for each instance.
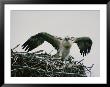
(65, 49)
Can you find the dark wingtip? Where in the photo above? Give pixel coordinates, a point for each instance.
(23, 46)
(83, 54)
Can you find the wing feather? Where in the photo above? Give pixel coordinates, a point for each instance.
(84, 44)
(38, 39)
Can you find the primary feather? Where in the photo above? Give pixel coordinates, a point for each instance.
(84, 44)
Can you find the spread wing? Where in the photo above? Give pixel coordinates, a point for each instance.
(38, 39)
(84, 44)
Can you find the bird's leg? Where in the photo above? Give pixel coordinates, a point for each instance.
(65, 54)
(57, 55)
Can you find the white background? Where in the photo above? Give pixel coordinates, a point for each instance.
(77, 23)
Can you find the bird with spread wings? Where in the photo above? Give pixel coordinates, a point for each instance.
(62, 45)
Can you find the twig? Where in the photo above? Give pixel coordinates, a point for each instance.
(80, 61)
(91, 67)
(20, 52)
(50, 52)
(15, 47)
(38, 51)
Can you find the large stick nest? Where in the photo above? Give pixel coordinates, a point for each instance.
(40, 64)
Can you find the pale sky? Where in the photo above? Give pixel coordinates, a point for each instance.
(25, 24)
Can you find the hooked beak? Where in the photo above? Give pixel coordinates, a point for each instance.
(66, 39)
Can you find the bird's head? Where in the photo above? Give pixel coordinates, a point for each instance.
(67, 38)
(67, 42)
(71, 39)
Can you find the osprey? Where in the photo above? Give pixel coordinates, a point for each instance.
(62, 45)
